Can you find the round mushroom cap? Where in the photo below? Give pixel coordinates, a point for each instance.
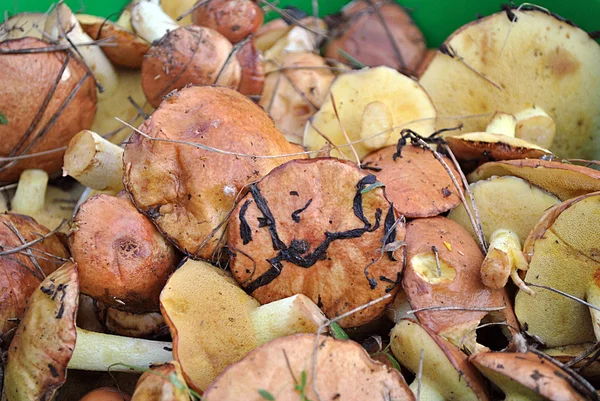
(317, 227)
(277, 369)
(106, 394)
(378, 34)
(124, 262)
(514, 60)
(19, 276)
(234, 19)
(188, 192)
(188, 55)
(45, 98)
(415, 181)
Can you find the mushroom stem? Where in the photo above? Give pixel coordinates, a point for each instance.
(101, 352)
(150, 22)
(503, 124)
(124, 20)
(536, 126)
(427, 391)
(593, 297)
(377, 120)
(31, 192)
(94, 162)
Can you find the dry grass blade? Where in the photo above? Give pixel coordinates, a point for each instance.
(337, 116)
(288, 16)
(234, 50)
(106, 42)
(449, 51)
(564, 294)
(594, 348)
(460, 308)
(293, 85)
(514, 19)
(33, 242)
(34, 261)
(191, 10)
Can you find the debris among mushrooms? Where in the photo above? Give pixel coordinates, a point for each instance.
(162, 383)
(233, 323)
(377, 33)
(403, 102)
(106, 394)
(588, 367)
(562, 254)
(188, 192)
(234, 19)
(533, 59)
(294, 366)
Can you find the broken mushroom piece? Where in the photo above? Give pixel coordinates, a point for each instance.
(377, 33)
(495, 63)
(123, 260)
(162, 383)
(295, 90)
(446, 373)
(188, 55)
(188, 192)
(294, 366)
(562, 254)
(535, 126)
(415, 181)
(317, 227)
(528, 376)
(442, 271)
(233, 323)
(380, 96)
(234, 19)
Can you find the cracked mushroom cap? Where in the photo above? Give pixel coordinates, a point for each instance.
(317, 227)
(19, 275)
(527, 376)
(26, 84)
(415, 181)
(124, 262)
(234, 19)
(458, 285)
(515, 60)
(278, 369)
(186, 191)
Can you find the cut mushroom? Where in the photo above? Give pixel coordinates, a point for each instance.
(291, 368)
(535, 126)
(446, 373)
(162, 383)
(317, 227)
(164, 179)
(404, 99)
(234, 19)
(518, 59)
(415, 181)
(562, 250)
(233, 323)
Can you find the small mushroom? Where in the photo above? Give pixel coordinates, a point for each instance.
(106, 394)
(162, 383)
(292, 367)
(446, 373)
(415, 181)
(215, 323)
(369, 95)
(234, 19)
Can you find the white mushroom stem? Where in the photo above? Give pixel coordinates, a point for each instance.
(593, 297)
(94, 162)
(536, 126)
(150, 22)
(503, 124)
(93, 56)
(101, 352)
(399, 308)
(376, 125)
(31, 192)
(426, 390)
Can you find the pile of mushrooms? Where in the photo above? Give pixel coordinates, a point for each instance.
(200, 201)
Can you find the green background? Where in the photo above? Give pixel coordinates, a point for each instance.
(436, 18)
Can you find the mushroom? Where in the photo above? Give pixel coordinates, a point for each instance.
(588, 367)
(253, 72)
(149, 20)
(215, 323)
(565, 180)
(162, 383)
(295, 90)
(187, 191)
(415, 181)
(425, 61)
(509, 207)
(317, 227)
(45, 98)
(127, 324)
(304, 36)
(528, 376)
(562, 251)
(294, 366)
(234, 19)
(380, 96)
(515, 60)
(377, 33)
(446, 373)
(106, 394)
(124, 262)
(271, 32)
(442, 271)
(23, 24)
(188, 55)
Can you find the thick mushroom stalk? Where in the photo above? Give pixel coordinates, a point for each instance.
(503, 124)
(536, 126)
(150, 22)
(94, 162)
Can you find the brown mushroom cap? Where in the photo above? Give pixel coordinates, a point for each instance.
(344, 371)
(188, 55)
(253, 72)
(364, 36)
(19, 276)
(564, 180)
(308, 228)
(234, 19)
(123, 260)
(158, 384)
(187, 191)
(459, 285)
(106, 394)
(143, 325)
(526, 374)
(26, 84)
(415, 182)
